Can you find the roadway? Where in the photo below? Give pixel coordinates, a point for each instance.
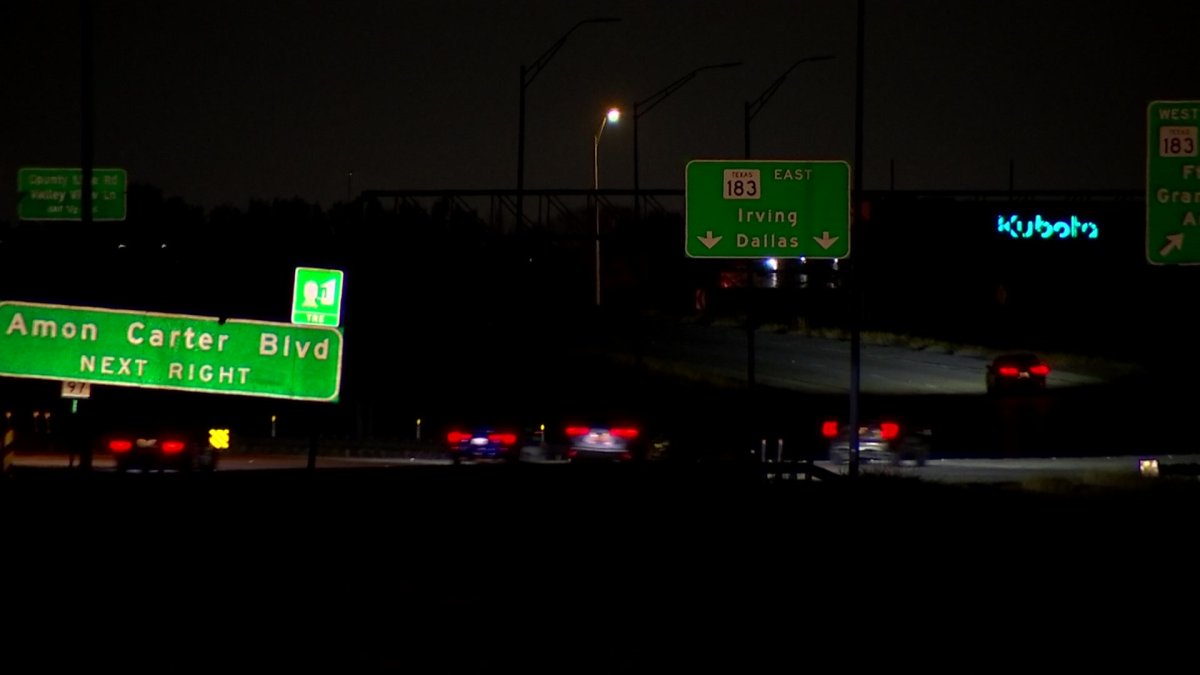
(953, 471)
(814, 364)
(1091, 407)
(1092, 411)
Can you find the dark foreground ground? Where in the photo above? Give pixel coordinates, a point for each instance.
(658, 569)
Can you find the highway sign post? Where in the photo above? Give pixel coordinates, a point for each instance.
(317, 297)
(73, 389)
(1173, 182)
(170, 351)
(56, 194)
(767, 209)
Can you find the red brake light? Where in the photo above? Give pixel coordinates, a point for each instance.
(889, 430)
(577, 431)
(829, 428)
(571, 453)
(1009, 371)
(456, 437)
(120, 445)
(627, 433)
(503, 439)
(1041, 370)
(172, 447)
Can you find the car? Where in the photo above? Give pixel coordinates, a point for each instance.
(602, 442)
(490, 443)
(164, 447)
(1020, 372)
(879, 441)
(609, 441)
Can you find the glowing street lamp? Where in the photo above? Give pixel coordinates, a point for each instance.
(612, 116)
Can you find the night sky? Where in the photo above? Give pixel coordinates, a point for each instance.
(220, 102)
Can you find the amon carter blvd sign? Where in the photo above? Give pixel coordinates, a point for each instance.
(170, 351)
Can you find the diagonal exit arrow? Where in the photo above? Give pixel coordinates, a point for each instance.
(709, 240)
(1174, 241)
(825, 240)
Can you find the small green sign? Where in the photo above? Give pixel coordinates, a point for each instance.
(56, 194)
(1173, 182)
(317, 297)
(170, 351)
(767, 209)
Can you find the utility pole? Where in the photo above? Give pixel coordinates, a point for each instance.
(855, 224)
(85, 161)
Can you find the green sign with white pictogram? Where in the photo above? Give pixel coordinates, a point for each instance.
(767, 209)
(56, 194)
(317, 297)
(170, 351)
(1173, 182)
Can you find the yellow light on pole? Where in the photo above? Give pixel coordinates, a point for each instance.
(612, 116)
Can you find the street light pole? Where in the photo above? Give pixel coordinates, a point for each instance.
(646, 105)
(749, 111)
(752, 108)
(527, 76)
(855, 223)
(86, 161)
(611, 116)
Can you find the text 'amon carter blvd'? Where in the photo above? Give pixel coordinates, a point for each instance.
(170, 351)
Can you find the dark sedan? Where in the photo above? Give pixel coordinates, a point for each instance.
(1013, 373)
(484, 443)
(884, 441)
(156, 447)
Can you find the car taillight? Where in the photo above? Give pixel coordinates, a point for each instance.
(829, 428)
(120, 445)
(172, 447)
(571, 453)
(889, 430)
(503, 439)
(577, 431)
(628, 433)
(456, 437)
(1009, 371)
(1041, 370)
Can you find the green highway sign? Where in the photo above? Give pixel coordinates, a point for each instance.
(767, 208)
(317, 297)
(170, 351)
(55, 194)
(1173, 182)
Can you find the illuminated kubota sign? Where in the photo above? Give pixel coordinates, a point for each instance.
(1040, 228)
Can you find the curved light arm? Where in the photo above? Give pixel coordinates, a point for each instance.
(757, 104)
(541, 61)
(654, 99)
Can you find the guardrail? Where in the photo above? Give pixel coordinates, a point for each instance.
(778, 469)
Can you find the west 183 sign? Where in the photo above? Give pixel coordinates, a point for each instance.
(1173, 182)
